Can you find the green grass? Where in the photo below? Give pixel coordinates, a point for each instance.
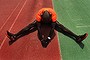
(75, 15)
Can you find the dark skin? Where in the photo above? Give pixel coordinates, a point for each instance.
(37, 26)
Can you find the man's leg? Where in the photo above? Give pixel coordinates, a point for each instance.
(59, 27)
(28, 29)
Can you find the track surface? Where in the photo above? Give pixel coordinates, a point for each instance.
(16, 16)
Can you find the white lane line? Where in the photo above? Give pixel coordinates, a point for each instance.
(82, 26)
(13, 23)
(58, 38)
(9, 16)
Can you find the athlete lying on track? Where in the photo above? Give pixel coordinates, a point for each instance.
(46, 16)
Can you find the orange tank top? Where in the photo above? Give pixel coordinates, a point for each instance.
(50, 10)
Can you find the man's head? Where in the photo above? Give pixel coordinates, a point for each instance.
(46, 16)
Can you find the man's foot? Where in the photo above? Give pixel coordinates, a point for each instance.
(81, 37)
(11, 36)
(11, 42)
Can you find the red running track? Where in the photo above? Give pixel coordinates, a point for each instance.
(20, 14)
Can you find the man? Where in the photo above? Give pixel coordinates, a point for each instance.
(46, 16)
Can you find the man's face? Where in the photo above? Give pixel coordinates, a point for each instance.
(46, 16)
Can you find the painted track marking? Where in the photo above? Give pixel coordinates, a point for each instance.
(9, 16)
(13, 22)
